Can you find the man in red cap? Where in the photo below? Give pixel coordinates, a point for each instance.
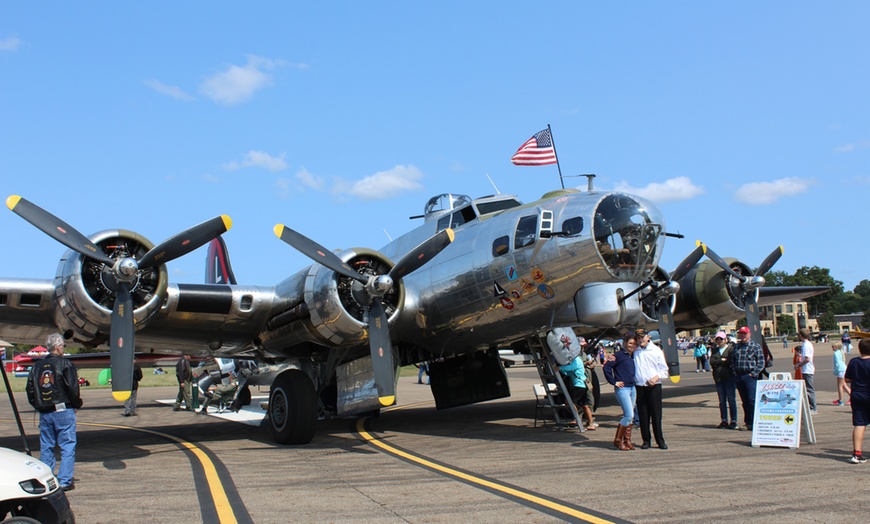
(747, 362)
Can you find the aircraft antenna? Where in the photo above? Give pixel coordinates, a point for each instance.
(388, 235)
(493, 184)
(589, 178)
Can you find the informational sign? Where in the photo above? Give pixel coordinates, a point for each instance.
(778, 412)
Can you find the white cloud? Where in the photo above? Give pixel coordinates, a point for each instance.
(172, 91)
(259, 159)
(383, 184)
(309, 180)
(851, 147)
(680, 188)
(769, 192)
(237, 84)
(10, 44)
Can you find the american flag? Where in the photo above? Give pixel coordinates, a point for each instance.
(537, 151)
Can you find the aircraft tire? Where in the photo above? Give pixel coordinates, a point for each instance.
(245, 396)
(292, 408)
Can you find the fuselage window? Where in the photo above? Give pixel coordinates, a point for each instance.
(443, 223)
(501, 246)
(526, 231)
(573, 226)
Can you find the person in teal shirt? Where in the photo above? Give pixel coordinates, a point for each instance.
(700, 357)
(574, 374)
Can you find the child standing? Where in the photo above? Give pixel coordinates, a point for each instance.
(840, 373)
(858, 376)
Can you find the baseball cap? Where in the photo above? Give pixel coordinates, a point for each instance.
(744, 329)
(721, 335)
(640, 332)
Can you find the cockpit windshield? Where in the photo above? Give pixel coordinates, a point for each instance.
(628, 234)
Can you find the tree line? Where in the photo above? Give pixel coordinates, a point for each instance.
(823, 307)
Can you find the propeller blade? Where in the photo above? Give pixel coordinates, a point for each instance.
(316, 252)
(668, 335)
(421, 254)
(56, 228)
(720, 262)
(186, 241)
(121, 344)
(382, 353)
(768, 263)
(689, 262)
(753, 318)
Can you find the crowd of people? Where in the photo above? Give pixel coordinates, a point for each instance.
(636, 367)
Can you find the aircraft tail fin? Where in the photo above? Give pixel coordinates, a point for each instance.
(217, 264)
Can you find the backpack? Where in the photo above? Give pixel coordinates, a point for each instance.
(48, 387)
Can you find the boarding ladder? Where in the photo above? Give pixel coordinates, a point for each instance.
(557, 397)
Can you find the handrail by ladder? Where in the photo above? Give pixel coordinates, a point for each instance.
(545, 363)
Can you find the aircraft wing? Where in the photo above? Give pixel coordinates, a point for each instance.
(198, 319)
(777, 295)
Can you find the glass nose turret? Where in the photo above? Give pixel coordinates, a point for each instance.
(629, 236)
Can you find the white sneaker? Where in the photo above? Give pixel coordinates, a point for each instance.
(857, 459)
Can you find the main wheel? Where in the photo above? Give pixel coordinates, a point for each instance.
(292, 408)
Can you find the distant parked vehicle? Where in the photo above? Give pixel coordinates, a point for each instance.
(509, 357)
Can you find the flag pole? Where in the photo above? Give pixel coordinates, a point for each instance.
(559, 167)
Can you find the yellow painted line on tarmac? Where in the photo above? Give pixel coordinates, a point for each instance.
(215, 485)
(472, 479)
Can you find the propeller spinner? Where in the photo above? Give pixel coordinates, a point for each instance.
(375, 287)
(121, 275)
(749, 286)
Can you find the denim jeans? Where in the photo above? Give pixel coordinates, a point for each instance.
(811, 390)
(626, 396)
(746, 388)
(58, 428)
(727, 400)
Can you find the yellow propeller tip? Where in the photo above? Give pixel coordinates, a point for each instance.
(228, 222)
(698, 243)
(450, 234)
(12, 201)
(388, 400)
(675, 379)
(121, 396)
(279, 230)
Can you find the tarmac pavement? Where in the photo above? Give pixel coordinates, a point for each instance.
(479, 463)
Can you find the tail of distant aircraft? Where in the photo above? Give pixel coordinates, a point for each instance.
(217, 264)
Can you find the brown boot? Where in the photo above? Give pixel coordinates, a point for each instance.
(627, 438)
(619, 441)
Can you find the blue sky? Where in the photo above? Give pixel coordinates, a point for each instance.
(748, 123)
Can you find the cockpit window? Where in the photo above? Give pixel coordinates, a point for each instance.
(527, 230)
(628, 236)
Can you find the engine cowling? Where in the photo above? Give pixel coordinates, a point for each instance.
(331, 309)
(647, 300)
(83, 296)
(709, 296)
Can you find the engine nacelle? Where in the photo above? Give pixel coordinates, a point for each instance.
(83, 298)
(648, 301)
(709, 296)
(332, 309)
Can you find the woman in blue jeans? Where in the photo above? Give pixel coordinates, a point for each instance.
(619, 371)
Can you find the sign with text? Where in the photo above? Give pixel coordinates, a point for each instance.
(778, 413)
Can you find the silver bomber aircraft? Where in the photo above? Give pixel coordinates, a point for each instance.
(476, 276)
